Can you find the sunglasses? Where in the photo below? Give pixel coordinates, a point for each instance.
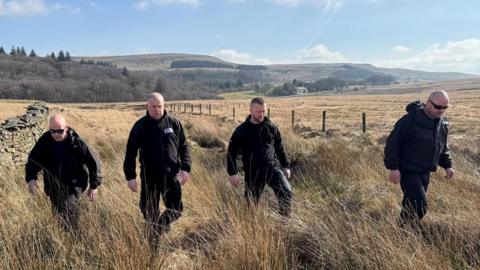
(56, 131)
(438, 107)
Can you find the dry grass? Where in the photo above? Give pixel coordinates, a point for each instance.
(344, 214)
(12, 108)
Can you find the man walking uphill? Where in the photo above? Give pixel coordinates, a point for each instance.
(417, 144)
(163, 154)
(67, 163)
(259, 141)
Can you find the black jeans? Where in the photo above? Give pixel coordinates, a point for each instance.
(64, 201)
(163, 187)
(255, 184)
(414, 204)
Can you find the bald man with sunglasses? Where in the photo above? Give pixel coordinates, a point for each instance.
(414, 149)
(69, 166)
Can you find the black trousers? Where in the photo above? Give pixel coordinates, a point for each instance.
(64, 201)
(414, 204)
(153, 190)
(255, 184)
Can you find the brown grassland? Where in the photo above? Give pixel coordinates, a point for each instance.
(344, 214)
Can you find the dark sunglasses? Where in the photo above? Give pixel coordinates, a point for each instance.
(57, 131)
(438, 107)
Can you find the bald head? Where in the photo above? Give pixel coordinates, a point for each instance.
(436, 104)
(57, 126)
(155, 96)
(439, 96)
(155, 106)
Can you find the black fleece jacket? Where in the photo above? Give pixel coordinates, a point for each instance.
(417, 142)
(259, 145)
(163, 148)
(77, 165)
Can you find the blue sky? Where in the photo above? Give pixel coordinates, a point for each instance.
(433, 35)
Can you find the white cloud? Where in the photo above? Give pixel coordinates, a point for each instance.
(22, 7)
(400, 49)
(320, 54)
(233, 56)
(144, 4)
(32, 7)
(327, 5)
(287, 2)
(461, 56)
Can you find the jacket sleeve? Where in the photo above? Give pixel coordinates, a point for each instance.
(232, 152)
(133, 144)
(93, 165)
(35, 161)
(445, 160)
(183, 150)
(279, 150)
(395, 140)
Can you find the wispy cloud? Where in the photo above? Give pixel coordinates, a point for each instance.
(22, 7)
(462, 56)
(32, 7)
(233, 56)
(400, 49)
(327, 5)
(319, 54)
(145, 4)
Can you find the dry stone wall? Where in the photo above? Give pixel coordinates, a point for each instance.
(18, 135)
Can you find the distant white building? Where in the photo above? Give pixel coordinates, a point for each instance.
(301, 90)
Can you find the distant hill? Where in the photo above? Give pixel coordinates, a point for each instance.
(186, 76)
(279, 74)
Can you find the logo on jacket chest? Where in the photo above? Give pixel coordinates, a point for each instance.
(168, 130)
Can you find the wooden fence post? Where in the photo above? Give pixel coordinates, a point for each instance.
(324, 116)
(364, 122)
(293, 118)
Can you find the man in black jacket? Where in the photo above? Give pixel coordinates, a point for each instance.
(417, 144)
(259, 141)
(164, 165)
(67, 163)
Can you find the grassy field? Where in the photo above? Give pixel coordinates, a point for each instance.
(344, 214)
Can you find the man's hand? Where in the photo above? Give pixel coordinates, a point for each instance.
(394, 176)
(449, 173)
(184, 177)
(32, 186)
(92, 194)
(234, 180)
(286, 172)
(132, 185)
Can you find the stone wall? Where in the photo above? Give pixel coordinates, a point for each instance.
(18, 135)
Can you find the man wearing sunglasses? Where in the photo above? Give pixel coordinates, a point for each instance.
(415, 147)
(164, 165)
(68, 165)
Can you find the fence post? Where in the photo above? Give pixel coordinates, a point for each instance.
(364, 122)
(268, 113)
(200, 106)
(233, 113)
(209, 109)
(293, 118)
(324, 116)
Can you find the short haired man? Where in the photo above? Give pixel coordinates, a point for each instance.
(417, 144)
(260, 142)
(67, 163)
(163, 154)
